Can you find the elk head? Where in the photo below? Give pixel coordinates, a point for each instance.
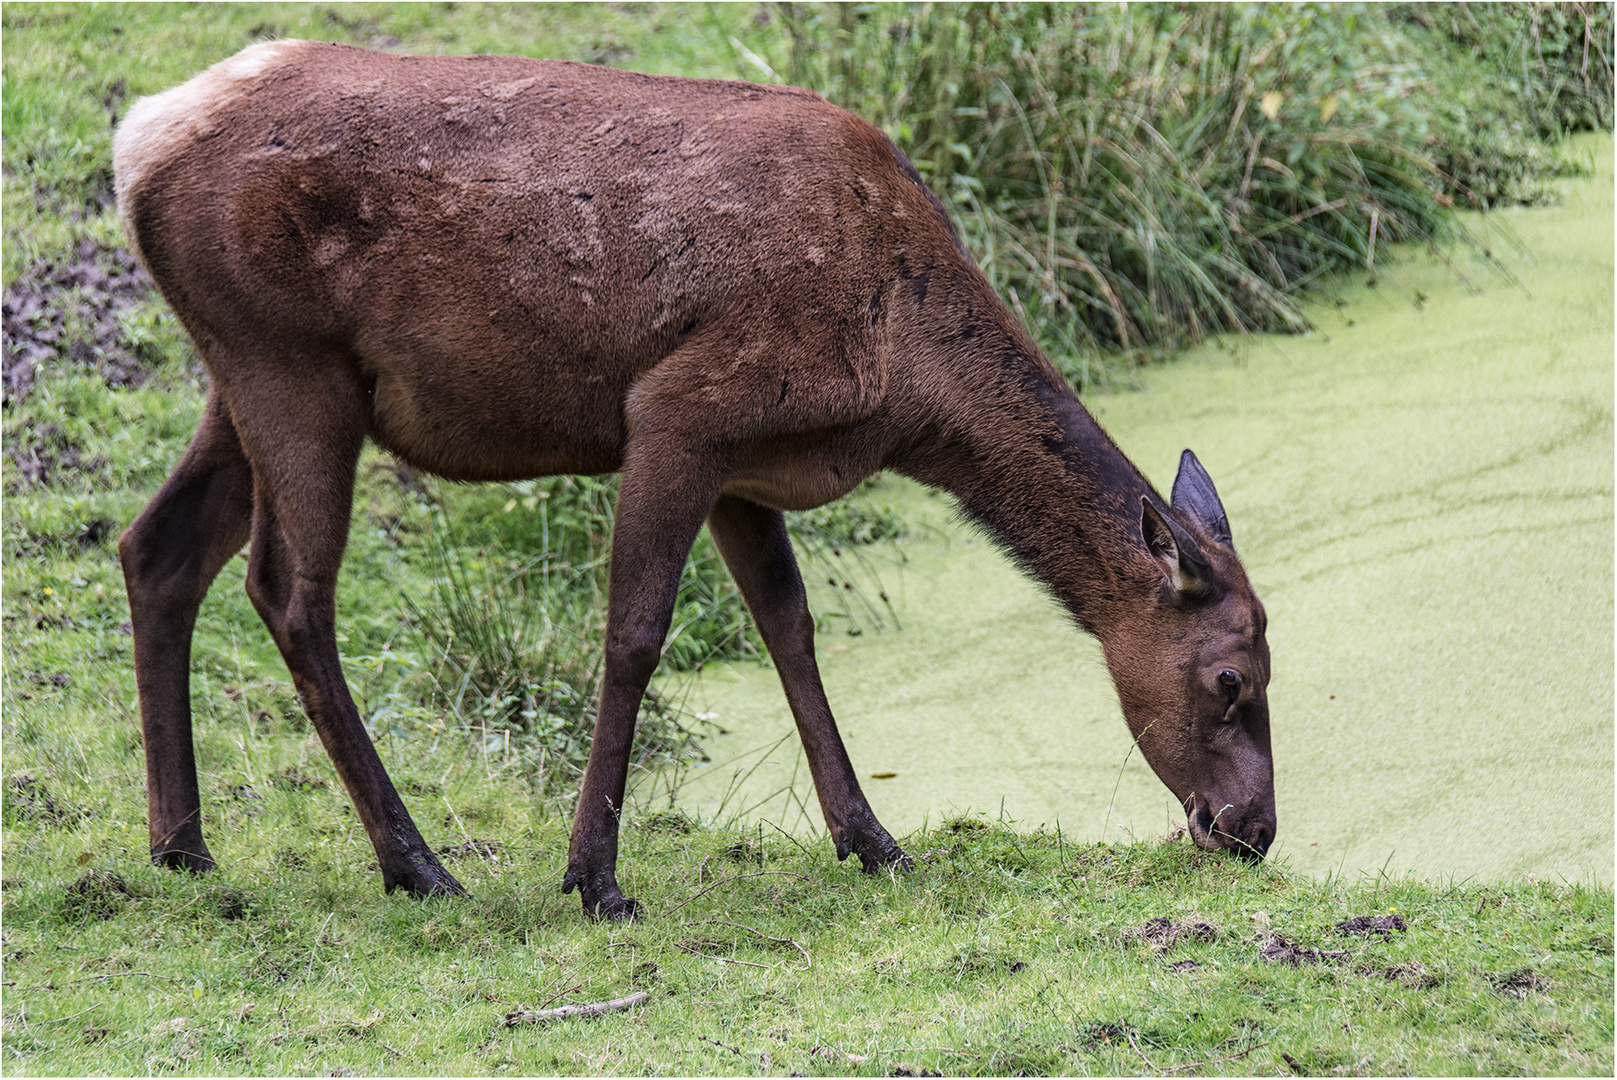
(1193, 673)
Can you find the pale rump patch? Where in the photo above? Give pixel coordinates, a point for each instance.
(157, 126)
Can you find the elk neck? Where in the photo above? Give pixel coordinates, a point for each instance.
(1027, 462)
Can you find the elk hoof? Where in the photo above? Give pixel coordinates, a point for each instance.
(425, 877)
(615, 908)
(602, 898)
(876, 850)
(892, 855)
(193, 857)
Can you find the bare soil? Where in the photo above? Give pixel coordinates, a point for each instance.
(69, 311)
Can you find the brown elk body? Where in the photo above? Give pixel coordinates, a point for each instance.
(742, 299)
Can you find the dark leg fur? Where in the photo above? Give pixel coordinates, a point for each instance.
(660, 508)
(304, 474)
(756, 548)
(171, 553)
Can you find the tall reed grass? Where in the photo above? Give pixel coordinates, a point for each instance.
(507, 645)
(1134, 178)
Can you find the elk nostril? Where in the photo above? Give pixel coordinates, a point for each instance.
(1202, 821)
(1261, 836)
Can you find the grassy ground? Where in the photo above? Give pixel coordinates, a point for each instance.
(1005, 952)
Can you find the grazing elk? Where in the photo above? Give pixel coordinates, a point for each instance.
(739, 297)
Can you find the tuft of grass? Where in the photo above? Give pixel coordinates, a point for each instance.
(516, 656)
(1506, 83)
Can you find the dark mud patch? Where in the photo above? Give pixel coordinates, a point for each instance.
(290, 859)
(251, 802)
(28, 799)
(232, 904)
(1381, 926)
(1412, 974)
(1095, 1036)
(669, 821)
(1163, 934)
(69, 311)
(1518, 983)
(977, 962)
(1276, 949)
(98, 894)
(42, 454)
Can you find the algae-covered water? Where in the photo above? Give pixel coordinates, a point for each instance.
(1422, 493)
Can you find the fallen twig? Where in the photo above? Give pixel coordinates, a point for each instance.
(1151, 1064)
(807, 959)
(722, 959)
(726, 1046)
(567, 1012)
(126, 975)
(738, 877)
(1237, 1057)
(70, 1016)
(570, 990)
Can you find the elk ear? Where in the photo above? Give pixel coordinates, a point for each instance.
(1193, 494)
(1175, 550)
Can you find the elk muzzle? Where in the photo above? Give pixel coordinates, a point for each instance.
(1218, 825)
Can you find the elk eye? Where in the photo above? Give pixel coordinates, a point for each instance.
(1230, 682)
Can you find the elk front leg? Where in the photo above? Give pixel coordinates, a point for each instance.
(665, 494)
(171, 553)
(755, 546)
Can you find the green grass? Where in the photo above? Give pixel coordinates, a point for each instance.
(1002, 953)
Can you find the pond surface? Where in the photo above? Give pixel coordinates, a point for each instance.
(1422, 494)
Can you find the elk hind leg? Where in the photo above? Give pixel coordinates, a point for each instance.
(756, 548)
(303, 472)
(170, 555)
